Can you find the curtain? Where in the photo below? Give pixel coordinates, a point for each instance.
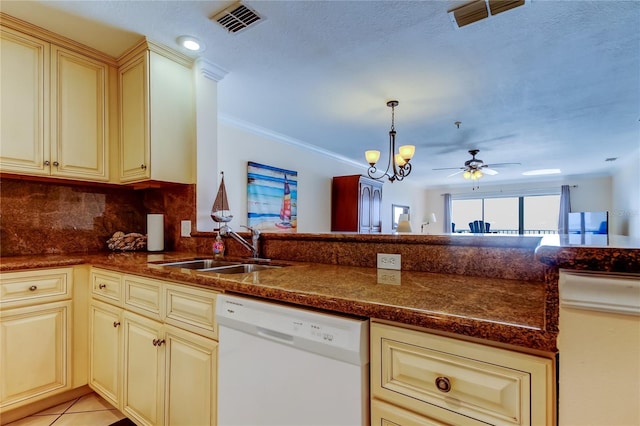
(565, 208)
(446, 223)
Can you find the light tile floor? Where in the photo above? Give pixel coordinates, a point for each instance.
(88, 410)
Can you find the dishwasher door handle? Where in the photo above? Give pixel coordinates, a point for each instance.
(275, 335)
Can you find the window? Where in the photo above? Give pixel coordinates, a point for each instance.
(531, 214)
(541, 214)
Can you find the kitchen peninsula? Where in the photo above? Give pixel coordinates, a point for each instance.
(499, 291)
(498, 288)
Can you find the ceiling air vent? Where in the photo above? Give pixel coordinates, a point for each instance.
(477, 10)
(236, 18)
(469, 13)
(499, 6)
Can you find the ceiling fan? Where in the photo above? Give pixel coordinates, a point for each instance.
(475, 168)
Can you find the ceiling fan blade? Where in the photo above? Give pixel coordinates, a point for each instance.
(494, 165)
(489, 172)
(456, 173)
(450, 168)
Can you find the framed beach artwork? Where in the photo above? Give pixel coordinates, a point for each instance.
(272, 198)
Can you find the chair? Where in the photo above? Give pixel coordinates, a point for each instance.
(479, 227)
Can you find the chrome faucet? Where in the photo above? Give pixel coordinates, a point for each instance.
(254, 248)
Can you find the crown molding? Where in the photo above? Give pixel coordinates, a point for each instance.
(211, 70)
(269, 134)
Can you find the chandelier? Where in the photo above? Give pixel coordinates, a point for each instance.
(398, 162)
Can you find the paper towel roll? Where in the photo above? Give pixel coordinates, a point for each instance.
(155, 232)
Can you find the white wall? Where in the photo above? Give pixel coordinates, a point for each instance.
(239, 143)
(625, 210)
(587, 194)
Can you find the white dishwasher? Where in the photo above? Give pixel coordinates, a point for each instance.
(281, 365)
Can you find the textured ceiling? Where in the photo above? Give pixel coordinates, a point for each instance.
(552, 84)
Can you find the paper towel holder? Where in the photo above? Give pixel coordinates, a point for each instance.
(155, 232)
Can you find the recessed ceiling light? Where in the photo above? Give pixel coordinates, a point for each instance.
(541, 172)
(190, 43)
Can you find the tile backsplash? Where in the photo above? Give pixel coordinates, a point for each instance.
(39, 217)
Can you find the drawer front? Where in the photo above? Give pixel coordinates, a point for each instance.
(192, 309)
(38, 286)
(480, 390)
(431, 374)
(383, 414)
(106, 286)
(144, 296)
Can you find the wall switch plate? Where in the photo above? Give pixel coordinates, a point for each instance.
(185, 228)
(389, 261)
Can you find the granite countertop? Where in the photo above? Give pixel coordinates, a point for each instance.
(507, 311)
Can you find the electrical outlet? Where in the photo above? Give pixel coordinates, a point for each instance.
(389, 261)
(185, 228)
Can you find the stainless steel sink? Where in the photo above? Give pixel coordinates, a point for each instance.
(239, 269)
(220, 266)
(200, 264)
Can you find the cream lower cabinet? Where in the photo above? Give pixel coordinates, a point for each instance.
(143, 369)
(599, 344)
(106, 351)
(418, 378)
(35, 335)
(153, 350)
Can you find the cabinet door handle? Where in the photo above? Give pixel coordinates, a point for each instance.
(116, 323)
(443, 384)
(143, 166)
(158, 342)
(33, 288)
(55, 163)
(47, 163)
(102, 286)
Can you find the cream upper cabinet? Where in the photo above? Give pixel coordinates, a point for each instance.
(55, 106)
(157, 116)
(24, 85)
(79, 112)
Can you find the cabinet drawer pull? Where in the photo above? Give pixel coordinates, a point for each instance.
(102, 286)
(443, 384)
(116, 323)
(158, 342)
(33, 288)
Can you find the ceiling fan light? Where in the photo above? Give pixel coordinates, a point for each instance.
(407, 151)
(372, 156)
(479, 174)
(466, 174)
